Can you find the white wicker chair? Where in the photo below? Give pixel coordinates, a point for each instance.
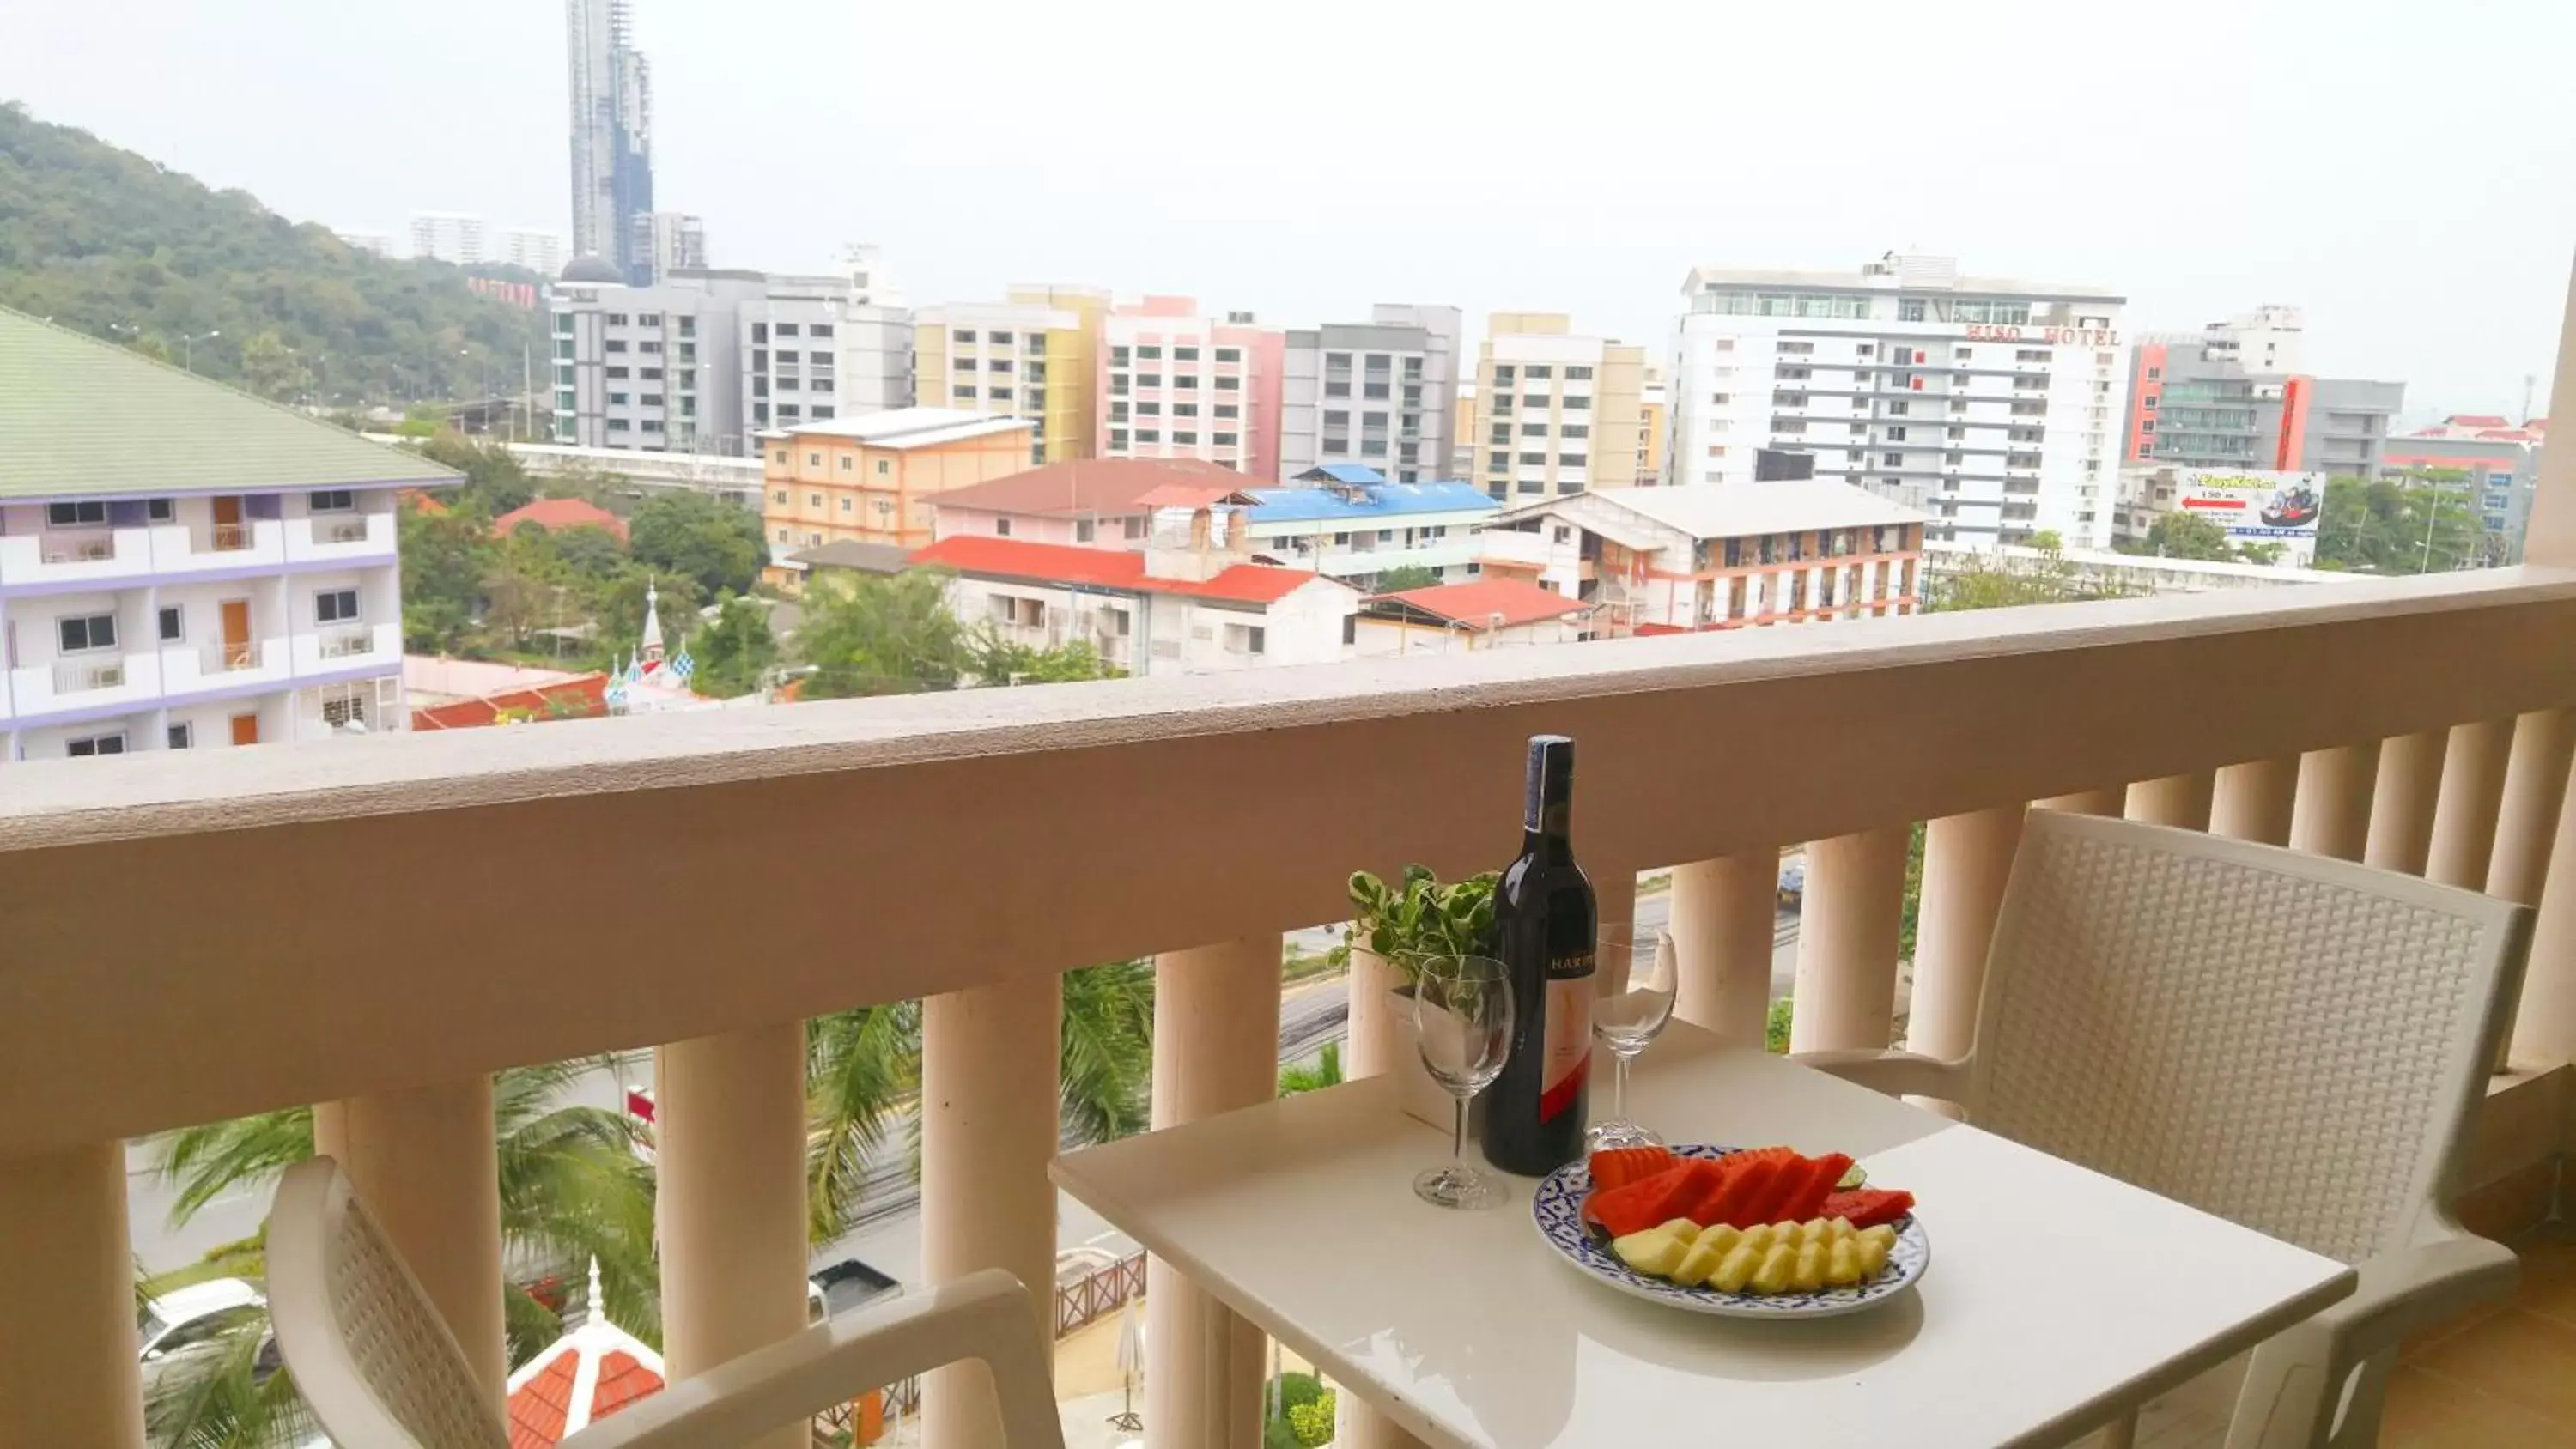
(2293, 1043)
(381, 1371)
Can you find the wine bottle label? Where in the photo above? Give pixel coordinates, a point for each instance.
(1569, 1036)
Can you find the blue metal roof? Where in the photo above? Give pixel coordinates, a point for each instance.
(1381, 500)
(1346, 473)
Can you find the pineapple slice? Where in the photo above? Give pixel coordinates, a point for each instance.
(1842, 1262)
(1777, 1264)
(1817, 1230)
(1720, 1236)
(1736, 1270)
(1699, 1260)
(1758, 1238)
(1875, 1244)
(1809, 1273)
(1655, 1252)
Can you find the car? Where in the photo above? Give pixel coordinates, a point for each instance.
(1793, 883)
(198, 1313)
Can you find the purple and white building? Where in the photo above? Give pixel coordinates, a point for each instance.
(183, 566)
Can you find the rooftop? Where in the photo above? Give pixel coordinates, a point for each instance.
(1494, 603)
(906, 427)
(1103, 486)
(1117, 569)
(81, 416)
(1742, 510)
(1893, 273)
(851, 553)
(1380, 499)
(558, 514)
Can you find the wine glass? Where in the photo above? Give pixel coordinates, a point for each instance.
(1462, 1011)
(1637, 971)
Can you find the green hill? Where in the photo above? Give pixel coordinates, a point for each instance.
(106, 241)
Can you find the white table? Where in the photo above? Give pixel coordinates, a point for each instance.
(2056, 1297)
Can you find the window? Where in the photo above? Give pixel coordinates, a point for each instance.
(1896, 409)
(161, 510)
(782, 535)
(174, 624)
(846, 505)
(2155, 374)
(1574, 430)
(1149, 409)
(1504, 374)
(617, 399)
(688, 326)
(1084, 529)
(1186, 381)
(616, 346)
(88, 745)
(1538, 371)
(1338, 389)
(998, 364)
(1578, 404)
(183, 736)
(1118, 437)
(1227, 410)
(1227, 440)
(75, 515)
(1134, 527)
(1229, 384)
(1578, 373)
(1001, 528)
(2151, 402)
(1003, 338)
(962, 336)
(819, 359)
(82, 633)
(1498, 460)
(1155, 435)
(652, 374)
(1185, 354)
(785, 329)
(1533, 430)
(1229, 354)
(1892, 460)
(1149, 379)
(1534, 459)
(1185, 410)
(335, 606)
(1896, 435)
(813, 500)
(1503, 432)
(1721, 399)
(966, 393)
(1246, 639)
(334, 500)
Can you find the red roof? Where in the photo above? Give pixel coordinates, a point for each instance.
(1475, 604)
(1099, 486)
(1106, 568)
(539, 1407)
(2476, 420)
(582, 698)
(621, 1382)
(1190, 495)
(559, 514)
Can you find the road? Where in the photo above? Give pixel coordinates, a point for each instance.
(888, 1233)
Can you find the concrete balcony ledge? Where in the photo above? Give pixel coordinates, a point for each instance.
(327, 537)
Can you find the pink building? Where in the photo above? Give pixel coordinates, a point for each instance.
(1175, 384)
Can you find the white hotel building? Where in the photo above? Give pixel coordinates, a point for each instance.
(1992, 405)
(183, 566)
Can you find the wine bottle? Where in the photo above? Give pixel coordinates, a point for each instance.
(1543, 917)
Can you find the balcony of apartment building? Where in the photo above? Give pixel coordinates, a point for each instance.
(339, 525)
(2421, 724)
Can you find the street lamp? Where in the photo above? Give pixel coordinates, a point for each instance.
(188, 348)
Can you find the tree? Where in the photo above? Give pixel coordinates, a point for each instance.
(1406, 576)
(2425, 522)
(880, 634)
(495, 483)
(1326, 1072)
(1000, 661)
(715, 543)
(270, 369)
(616, 605)
(2001, 581)
(444, 560)
(573, 1190)
(2185, 535)
(734, 652)
(863, 1068)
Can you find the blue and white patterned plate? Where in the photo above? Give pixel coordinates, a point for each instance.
(1557, 1209)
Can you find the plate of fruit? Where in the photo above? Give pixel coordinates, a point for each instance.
(1759, 1233)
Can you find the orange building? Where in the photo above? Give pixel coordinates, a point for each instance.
(873, 479)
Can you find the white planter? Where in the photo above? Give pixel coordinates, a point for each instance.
(1383, 1040)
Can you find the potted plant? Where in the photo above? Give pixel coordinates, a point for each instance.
(1393, 928)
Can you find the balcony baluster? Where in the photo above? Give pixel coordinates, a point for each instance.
(2401, 809)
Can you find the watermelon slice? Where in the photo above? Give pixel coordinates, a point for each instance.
(1644, 1203)
(1812, 1189)
(1623, 1165)
(1749, 1178)
(1868, 1207)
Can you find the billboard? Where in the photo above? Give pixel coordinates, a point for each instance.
(2257, 507)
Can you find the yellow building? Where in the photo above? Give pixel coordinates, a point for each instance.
(1034, 356)
(872, 479)
(1653, 411)
(1553, 411)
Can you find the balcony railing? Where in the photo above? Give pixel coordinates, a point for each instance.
(223, 657)
(78, 676)
(347, 529)
(83, 545)
(344, 640)
(222, 537)
(2330, 719)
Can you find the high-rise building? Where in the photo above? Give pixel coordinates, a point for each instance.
(1989, 403)
(542, 252)
(704, 359)
(1556, 412)
(2232, 396)
(1654, 420)
(203, 571)
(1175, 384)
(612, 134)
(1378, 393)
(447, 236)
(1034, 355)
(663, 242)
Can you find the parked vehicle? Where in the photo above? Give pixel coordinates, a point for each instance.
(1793, 882)
(194, 1314)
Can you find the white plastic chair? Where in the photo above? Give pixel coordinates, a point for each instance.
(381, 1371)
(2293, 1043)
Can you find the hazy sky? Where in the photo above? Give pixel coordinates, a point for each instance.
(2400, 170)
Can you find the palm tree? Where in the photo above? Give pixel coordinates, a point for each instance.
(573, 1188)
(863, 1070)
(1326, 1072)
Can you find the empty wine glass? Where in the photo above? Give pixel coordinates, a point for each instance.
(1462, 1011)
(1636, 970)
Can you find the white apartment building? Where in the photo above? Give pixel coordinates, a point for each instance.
(2269, 341)
(667, 241)
(447, 236)
(183, 566)
(542, 252)
(1992, 404)
(811, 353)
